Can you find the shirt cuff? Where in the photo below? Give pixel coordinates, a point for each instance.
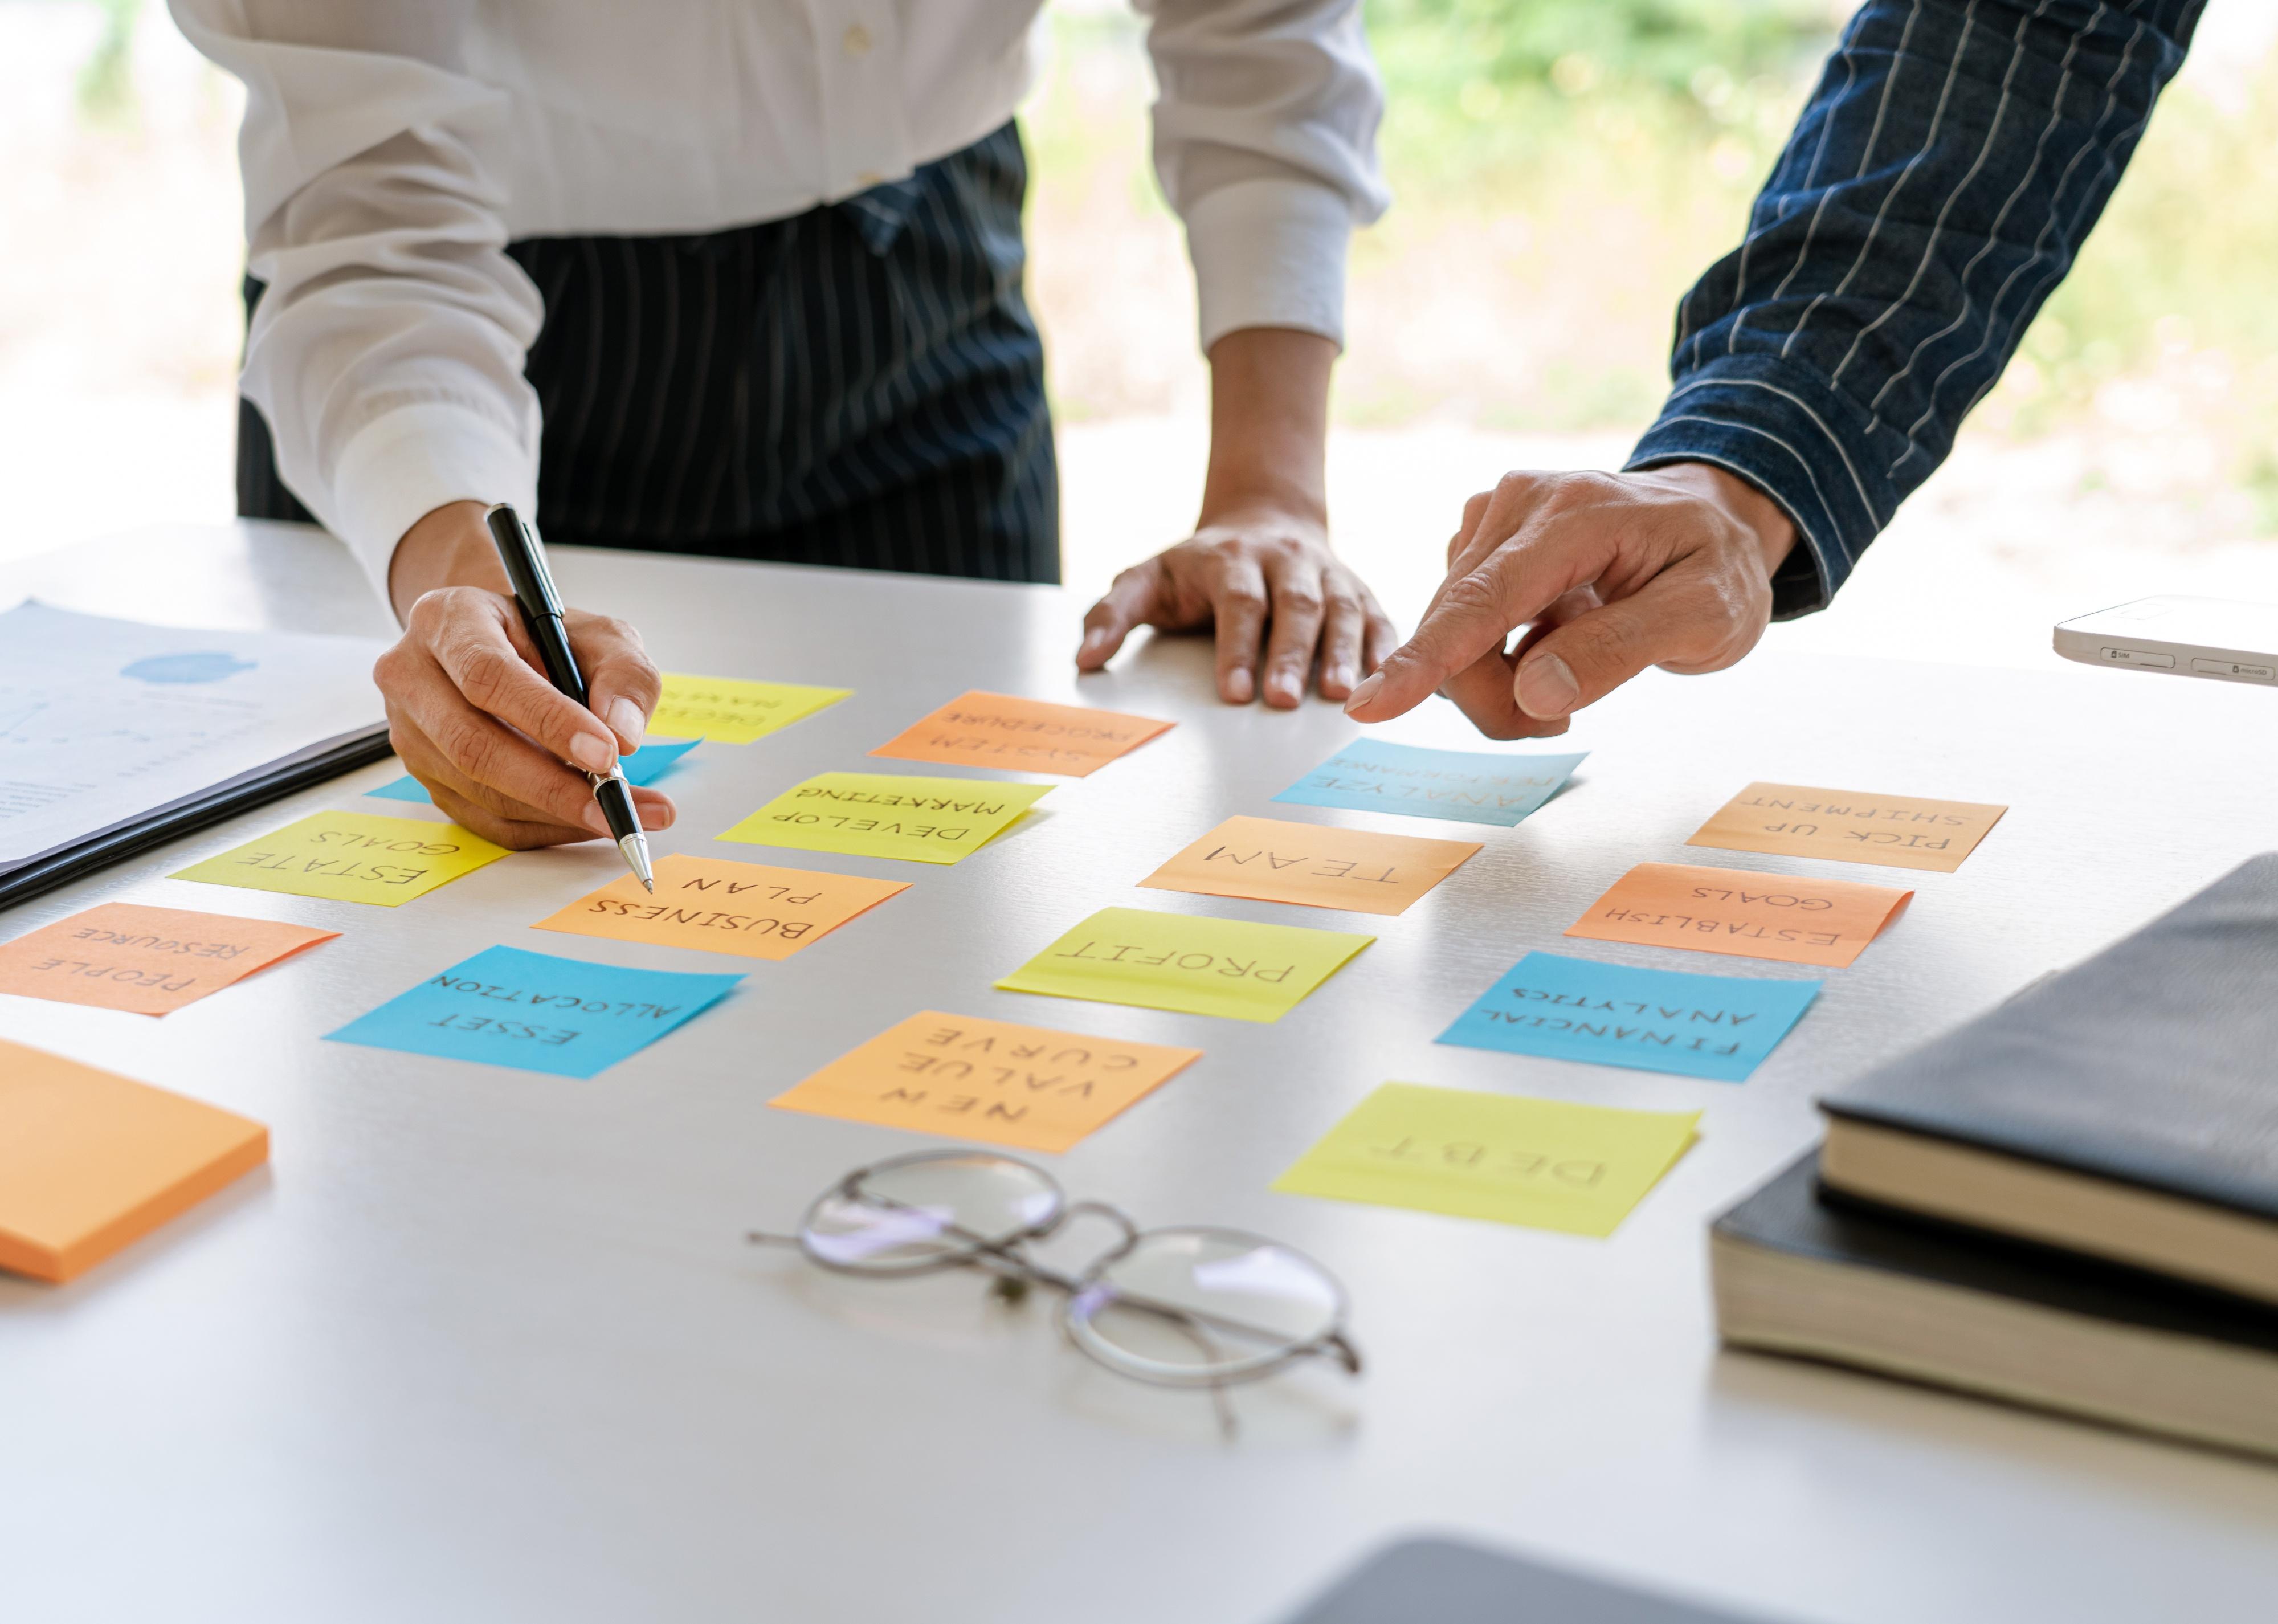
(403, 465)
(1270, 253)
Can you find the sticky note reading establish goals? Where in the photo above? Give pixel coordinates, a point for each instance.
(1027, 1087)
(147, 961)
(998, 730)
(1748, 914)
(715, 906)
(1464, 786)
(883, 814)
(1181, 961)
(1312, 865)
(1543, 1163)
(351, 857)
(1897, 831)
(645, 765)
(729, 710)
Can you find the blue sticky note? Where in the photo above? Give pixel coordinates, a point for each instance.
(644, 766)
(531, 1010)
(405, 788)
(1463, 786)
(1719, 1027)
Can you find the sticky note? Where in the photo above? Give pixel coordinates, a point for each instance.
(536, 1013)
(1027, 1087)
(147, 961)
(715, 906)
(730, 710)
(1896, 831)
(90, 1160)
(1186, 963)
(884, 814)
(1312, 866)
(351, 857)
(1463, 786)
(1719, 1027)
(998, 730)
(1543, 1163)
(644, 766)
(1735, 911)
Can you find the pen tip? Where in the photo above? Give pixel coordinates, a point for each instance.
(650, 883)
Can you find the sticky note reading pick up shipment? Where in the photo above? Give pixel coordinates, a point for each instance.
(1895, 832)
(1183, 961)
(730, 710)
(884, 814)
(351, 857)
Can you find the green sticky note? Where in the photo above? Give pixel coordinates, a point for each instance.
(1544, 1163)
(731, 710)
(1187, 963)
(887, 814)
(351, 857)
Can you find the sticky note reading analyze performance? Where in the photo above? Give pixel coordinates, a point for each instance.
(1313, 866)
(885, 815)
(1748, 915)
(1027, 1087)
(716, 906)
(1464, 786)
(1897, 831)
(1186, 963)
(999, 729)
(351, 857)
(645, 765)
(730, 710)
(147, 961)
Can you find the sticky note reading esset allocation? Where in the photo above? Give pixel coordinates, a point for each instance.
(1896, 831)
(1182, 961)
(715, 906)
(351, 857)
(999, 729)
(147, 961)
(885, 815)
(1464, 786)
(731, 710)
(645, 765)
(1269, 860)
(1745, 914)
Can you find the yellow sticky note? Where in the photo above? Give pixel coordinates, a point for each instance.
(1027, 1087)
(884, 814)
(1897, 831)
(1186, 963)
(351, 857)
(1313, 864)
(731, 710)
(715, 906)
(1543, 1163)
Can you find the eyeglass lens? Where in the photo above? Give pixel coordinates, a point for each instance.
(925, 1211)
(1192, 1306)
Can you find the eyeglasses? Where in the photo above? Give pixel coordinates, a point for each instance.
(1192, 1308)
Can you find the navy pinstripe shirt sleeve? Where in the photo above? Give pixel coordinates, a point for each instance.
(1942, 177)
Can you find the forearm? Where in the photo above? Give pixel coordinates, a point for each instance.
(1269, 425)
(450, 547)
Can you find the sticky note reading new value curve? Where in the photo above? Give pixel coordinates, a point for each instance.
(351, 857)
(1895, 832)
(884, 814)
(146, 960)
(1187, 963)
(715, 906)
(1268, 861)
(1464, 786)
(1000, 729)
(1739, 912)
(731, 710)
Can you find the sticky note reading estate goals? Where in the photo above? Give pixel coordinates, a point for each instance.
(1742, 913)
(351, 857)
(883, 814)
(999, 729)
(1897, 831)
(1465, 786)
(1199, 966)
(715, 906)
(147, 961)
(1313, 866)
(730, 710)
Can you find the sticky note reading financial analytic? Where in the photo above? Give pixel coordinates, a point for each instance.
(886, 814)
(351, 857)
(1464, 786)
(1187, 963)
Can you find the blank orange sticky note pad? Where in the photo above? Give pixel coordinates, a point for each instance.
(90, 1160)
(746, 908)
(1747, 914)
(1026, 1086)
(1270, 860)
(147, 961)
(1896, 831)
(998, 730)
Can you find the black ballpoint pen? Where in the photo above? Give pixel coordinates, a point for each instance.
(542, 616)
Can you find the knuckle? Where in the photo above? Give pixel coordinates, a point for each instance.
(471, 748)
(483, 673)
(1299, 602)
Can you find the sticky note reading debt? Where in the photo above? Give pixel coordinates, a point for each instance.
(147, 961)
(1464, 786)
(998, 730)
(1543, 1163)
(883, 814)
(729, 710)
(1313, 866)
(1896, 831)
(1199, 966)
(351, 857)
(720, 907)
(1748, 914)
(645, 765)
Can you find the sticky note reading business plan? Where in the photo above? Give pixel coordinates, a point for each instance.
(998, 730)
(645, 765)
(883, 814)
(1198, 966)
(730, 710)
(1026, 1086)
(1718, 1027)
(1463, 786)
(1312, 865)
(351, 857)
(1897, 831)
(1748, 915)
(147, 961)
(715, 906)
(536, 1013)
(1543, 1163)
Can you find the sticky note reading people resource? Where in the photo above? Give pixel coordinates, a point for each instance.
(1897, 831)
(1314, 866)
(147, 961)
(1027, 1087)
(730, 710)
(883, 814)
(715, 906)
(1718, 1027)
(351, 857)
(1464, 786)
(1735, 911)
(536, 1013)
(1181, 961)
(1544, 1163)
(998, 730)
(645, 765)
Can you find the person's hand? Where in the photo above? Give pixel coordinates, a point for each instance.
(1609, 573)
(469, 706)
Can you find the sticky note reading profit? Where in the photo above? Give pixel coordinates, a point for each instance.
(535, 1012)
(730, 710)
(1748, 915)
(1464, 786)
(884, 814)
(1313, 866)
(351, 857)
(149, 960)
(645, 765)
(1897, 831)
(716, 906)
(1719, 1027)
(1543, 1163)
(998, 730)
(1027, 1087)
(1181, 961)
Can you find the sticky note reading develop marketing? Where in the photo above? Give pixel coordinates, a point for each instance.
(1026, 1086)
(1543, 1163)
(645, 765)
(1719, 1027)
(1748, 914)
(1897, 831)
(882, 815)
(351, 857)
(729, 710)
(997, 730)
(720, 907)
(1465, 786)
(1312, 865)
(1181, 961)
(145, 960)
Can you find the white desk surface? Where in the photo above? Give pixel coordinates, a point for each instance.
(485, 1345)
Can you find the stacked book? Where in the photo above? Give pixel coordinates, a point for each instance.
(2070, 1202)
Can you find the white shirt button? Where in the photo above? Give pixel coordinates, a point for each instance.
(856, 41)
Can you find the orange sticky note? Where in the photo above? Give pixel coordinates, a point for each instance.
(1000, 729)
(90, 1160)
(1747, 914)
(147, 961)
(1897, 831)
(708, 903)
(1026, 1086)
(1313, 865)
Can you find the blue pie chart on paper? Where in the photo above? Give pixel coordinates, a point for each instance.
(206, 667)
